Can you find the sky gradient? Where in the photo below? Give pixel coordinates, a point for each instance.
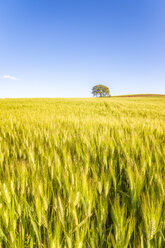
(62, 48)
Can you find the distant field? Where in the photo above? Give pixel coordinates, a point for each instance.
(142, 95)
(82, 173)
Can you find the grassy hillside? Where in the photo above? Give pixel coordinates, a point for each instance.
(82, 173)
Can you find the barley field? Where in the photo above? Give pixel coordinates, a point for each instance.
(82, 173)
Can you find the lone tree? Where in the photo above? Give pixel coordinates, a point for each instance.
(100, 90)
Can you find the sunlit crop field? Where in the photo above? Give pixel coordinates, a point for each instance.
(82, 173)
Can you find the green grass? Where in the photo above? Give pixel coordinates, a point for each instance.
(81, 173)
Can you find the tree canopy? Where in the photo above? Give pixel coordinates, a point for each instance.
(100, 91)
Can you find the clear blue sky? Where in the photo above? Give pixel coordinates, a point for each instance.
(61, 48)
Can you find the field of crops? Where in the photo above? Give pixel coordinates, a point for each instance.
(82, 173)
